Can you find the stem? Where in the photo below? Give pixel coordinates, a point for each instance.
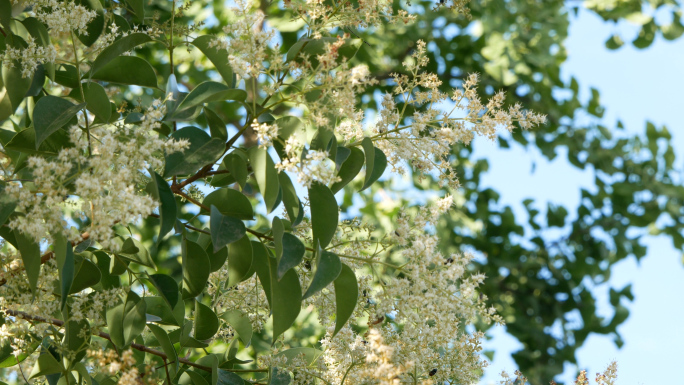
(80, 87)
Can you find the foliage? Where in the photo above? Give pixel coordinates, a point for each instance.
(144, 159)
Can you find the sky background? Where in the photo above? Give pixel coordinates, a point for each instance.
(637, 86)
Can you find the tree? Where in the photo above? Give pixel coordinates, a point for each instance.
(100, 164)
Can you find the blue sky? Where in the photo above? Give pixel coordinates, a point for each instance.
(636, 86)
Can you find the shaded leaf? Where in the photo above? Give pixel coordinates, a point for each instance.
(118, 71)
(293, 254)
(127, 320)
(291, 201)
(217, 127)
(165, 342)
(346, 296)
(239, 261)
(30, 255)
(217, 56)
(118, 48)
(349, 169)
(241, 323)
(46, 364)
(196, 269)
(50, 114)
(203, 150)
(237, 165)
(324, 213)
(266, 176)
(230, 202)
(211, 92)
(206, 322)
(167, 288)
(224, 229)
(328, 268)
(167, 205)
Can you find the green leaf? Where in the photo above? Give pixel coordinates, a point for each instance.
(324, 214)
(206, 322)
(203, 150)
(291, 201)
(25, 141)
(376, 161)
(46, 364)
(30, 255)
(310, 355)
(286, 299)
(87, 275)
(211, 92)
(134, 251)
(119, 71)
(167, 205)
(167, 288)
(64, 254)
(230, 202)
(266, 176)
(15, 84)
(7, 204)
(186, 341)
(328, 268)
(97, 101)
(224, 229)
(315, 47)
(138, 7)
(67, 76)
(50, 114)
(349, 169)
(241, 323)
(74, 341)
(261, 265)
(341, 156)
(217, 127)
(94, 29)
(196, 269)
(8, 359)
(278, 229)
(159, 307)
(346, 296)
(127, 320)
(239, 261)
(5, 13)
(278, 376)
(165, 342)
(227, 378)
(237, 165)
(293, 253)
(196, 378)
(218, 57)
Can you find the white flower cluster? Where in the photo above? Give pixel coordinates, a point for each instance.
(248, 45)
(62, 17)
(101, 186)
(265, 133)
(313, 166)
(29, 57)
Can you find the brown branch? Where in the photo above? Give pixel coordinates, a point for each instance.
(45, 257)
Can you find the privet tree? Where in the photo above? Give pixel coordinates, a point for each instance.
(156, 230)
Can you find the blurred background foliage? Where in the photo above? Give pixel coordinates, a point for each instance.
(539, 268)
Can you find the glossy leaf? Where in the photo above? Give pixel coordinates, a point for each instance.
(64, 254)
(206, 322)
(346, 296)
(118, 71)
(167, 288)
(224, 229)
(266, 176)
(127, 320)
(203, 150)
(241, 323)
(237, 165)
(46, 364)
(50, 114)
(118, 48)
(196, 269)
(165, 342)
(328, 268)
(349, 169)
(230, 202)
(324, 214)
(211, 92)
(217, 56)
(293, 254)
(167, 205)
(239, 261)
(217, 127)
(291, 201)
(97, 101)
(30, 255)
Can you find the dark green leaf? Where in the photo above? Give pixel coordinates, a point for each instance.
(30, 255)
(50, 114)
(87, 275)
(237, 165)
(239, 261)
(15, 84)
(97, 101)
(75, 341)
(341, 156)
(324, 213)
(5, 13)
(25, 141)
(290, 199)
(134, 251)
(94, 29)
(216, 56)
(119, 71)
(286, 298)
(379, 165)
(227, 378)
(186, 341)
(277, 228)
(241, 323)
(278, 376)
(165, 342)
(261, 265)
(224, 229)
(127, 320)
(217, 127)
(346, 296)
(203, 150)
(46, 364)
(349, 169)
(196, 378)
(293, 253)
(328, 268)
(196, 269)
(266, 176)
(206, 322)
(159, 307)
(64, 255)
(138, 7)
(230, 202)
(211, 92)
(167, 205)
(167, 288)
(67, 76)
